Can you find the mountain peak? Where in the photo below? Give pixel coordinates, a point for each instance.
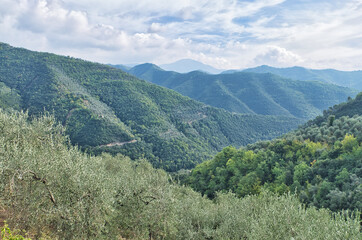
(144, 68)
(147, 66)
(189, 65)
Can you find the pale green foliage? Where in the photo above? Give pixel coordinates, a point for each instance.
(7, 234)
(278, 217)
(349, 143)
(46, 182)
(50, 188)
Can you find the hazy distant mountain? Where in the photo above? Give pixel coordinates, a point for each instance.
(121, 66)
(106, 109)
(245, 92)
(189, 65)
(351, 79)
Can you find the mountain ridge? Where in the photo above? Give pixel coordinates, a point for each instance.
(253, 93)
(351, 79)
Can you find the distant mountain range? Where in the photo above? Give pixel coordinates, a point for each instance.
(104, 109)
(351, 79)
(246, 92)
(189, 65)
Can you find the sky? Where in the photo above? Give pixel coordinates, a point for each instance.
(226, 34)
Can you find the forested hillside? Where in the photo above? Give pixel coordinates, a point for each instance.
(351, 79)
(321, 161)
(351, 108)
(106, 109)
(9, 98)
(51, 190)
(242, 92)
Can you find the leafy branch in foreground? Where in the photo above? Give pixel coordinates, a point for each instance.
(7, 234)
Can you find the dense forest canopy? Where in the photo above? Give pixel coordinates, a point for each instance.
(321, 161)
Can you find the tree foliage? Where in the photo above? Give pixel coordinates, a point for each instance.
(321, 162)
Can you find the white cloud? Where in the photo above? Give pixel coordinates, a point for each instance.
(43, 16)
(278, 57)
(310, 33)
(156, 27)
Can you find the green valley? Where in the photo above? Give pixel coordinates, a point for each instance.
(107, 110)
(180, 120)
